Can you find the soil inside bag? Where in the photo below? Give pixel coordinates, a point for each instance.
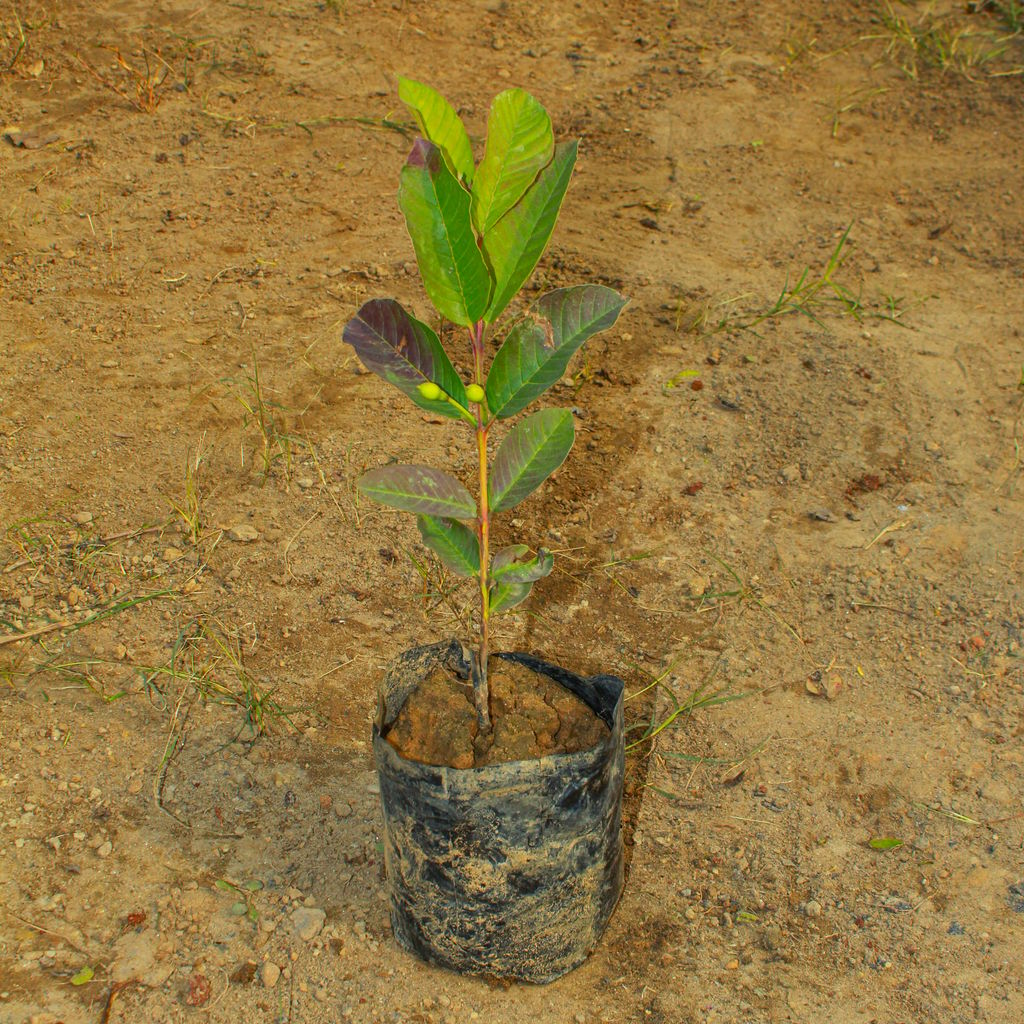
(532, 716)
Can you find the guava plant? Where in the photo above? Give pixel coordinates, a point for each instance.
(478, 231)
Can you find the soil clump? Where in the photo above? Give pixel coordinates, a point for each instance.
(532, 717)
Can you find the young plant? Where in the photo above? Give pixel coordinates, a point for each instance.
(478, 231)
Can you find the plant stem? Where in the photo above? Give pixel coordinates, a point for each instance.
(481, 691)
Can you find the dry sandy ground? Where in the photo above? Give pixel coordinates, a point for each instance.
(814, 502)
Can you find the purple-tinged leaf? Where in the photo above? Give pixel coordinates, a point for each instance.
(405, 352)
(533, 449)
(538, 348)
(529, 571)
(506, 556)
(437, 214)
(418, 489)
(454, 543)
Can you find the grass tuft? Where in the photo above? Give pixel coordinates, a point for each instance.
(941, 42)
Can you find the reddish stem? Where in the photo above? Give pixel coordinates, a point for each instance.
(481, 691)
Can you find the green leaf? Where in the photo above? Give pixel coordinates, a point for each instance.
(885, 843)
(436, 209)
(253, 885)
(510, 570)
(506, 556)
(440, 124)
(418, 489)
(515, 243)
(533, 449)
(537, 350)
(83, 977)
(503, 596)
(455, 544)
(405, 352)
(224, 886)
(519, 144)
(239, 908)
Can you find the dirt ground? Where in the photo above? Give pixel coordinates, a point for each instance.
(805, 492)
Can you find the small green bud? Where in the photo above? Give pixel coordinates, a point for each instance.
(475, 393)
(430, 391)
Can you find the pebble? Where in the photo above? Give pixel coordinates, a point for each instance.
(82, 518)
(269, 974)
(172, 554)
(790, 474)
(308, 922)
(812, 908)
(243, 533)
(697, 585)
(105, 849)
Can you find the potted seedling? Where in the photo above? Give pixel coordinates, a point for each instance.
(503, 857)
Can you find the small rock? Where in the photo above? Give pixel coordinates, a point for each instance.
(269, 973)
(243, 533)
(812, 908)
(308, 922)
(791, 473)
(105, 849)
(172, 554)
(305, 482)
(82, 518)
(697, 585)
